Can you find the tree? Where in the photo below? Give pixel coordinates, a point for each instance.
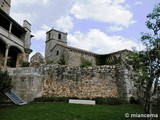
(5, 83)
(146, 63)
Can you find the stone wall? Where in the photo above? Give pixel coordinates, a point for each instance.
(75, 58)
(60, 81)
(27, 82)
(80, 82)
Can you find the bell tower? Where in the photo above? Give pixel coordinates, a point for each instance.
(54, 37)
(5, 5)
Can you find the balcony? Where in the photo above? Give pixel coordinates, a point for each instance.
(11, 38)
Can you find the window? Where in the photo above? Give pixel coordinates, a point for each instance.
(57, 53)
(59, 36)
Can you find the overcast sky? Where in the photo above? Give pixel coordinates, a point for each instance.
(101, 26)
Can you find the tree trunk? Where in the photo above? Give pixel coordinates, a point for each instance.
(148, 99)
(148, 109)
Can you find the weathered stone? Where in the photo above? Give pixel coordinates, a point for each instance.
(36, 60)
(60, 81)
(14, 41)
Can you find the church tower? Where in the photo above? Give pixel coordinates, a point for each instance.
(5, 5)
(54, 37)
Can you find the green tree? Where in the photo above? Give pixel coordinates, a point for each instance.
(5, 83)
(146, 63)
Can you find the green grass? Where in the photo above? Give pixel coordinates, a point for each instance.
(64, 111)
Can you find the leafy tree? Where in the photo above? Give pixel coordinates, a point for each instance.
(146, 63)
(5, 83)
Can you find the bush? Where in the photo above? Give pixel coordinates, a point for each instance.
(134, 101)
(53, 99)
(114, 101)
(5, 83)
(108, 101)
(49, 62)
(99, 100)
(85, 63)
(158, 102)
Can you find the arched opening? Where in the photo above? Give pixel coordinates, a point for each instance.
(2, 52)
(14, 58)
(59, 36)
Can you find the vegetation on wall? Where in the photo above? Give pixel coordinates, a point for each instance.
(85, 63)
(112, 60)
(62, 60)
(5, 83)
(108, 60)
(49, 62)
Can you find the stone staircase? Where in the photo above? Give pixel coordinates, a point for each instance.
(17, 100)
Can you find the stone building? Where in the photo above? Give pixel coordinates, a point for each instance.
(53, 80)
(57, 51)
(14, 38)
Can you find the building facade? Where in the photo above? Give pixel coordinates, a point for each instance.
(58, 52)
(56, 80)
(15, 40)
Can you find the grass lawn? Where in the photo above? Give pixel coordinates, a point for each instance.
(64, 111)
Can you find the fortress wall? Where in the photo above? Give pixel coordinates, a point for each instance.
(64, 81)
(79, 82)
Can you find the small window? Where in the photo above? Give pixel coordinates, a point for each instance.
(57, 53)
(59, 36)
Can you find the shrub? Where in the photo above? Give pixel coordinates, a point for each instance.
(108, 101)
(99, 100)
(134, 101)
(53, 99)
(5, 83)
(158, 102)
(62, 60)
(85, 63)
(114, 101)
(49, 62)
